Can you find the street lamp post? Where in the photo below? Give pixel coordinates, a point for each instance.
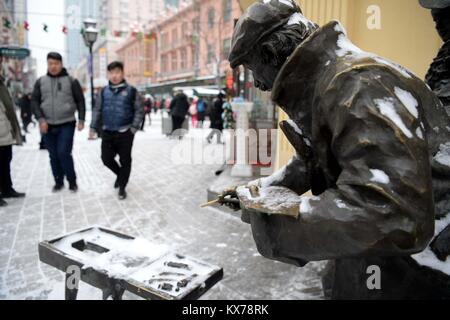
(90, 37)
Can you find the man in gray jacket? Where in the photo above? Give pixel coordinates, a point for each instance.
(9, 135)
(56, 98)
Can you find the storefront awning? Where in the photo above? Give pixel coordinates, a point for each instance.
(199, 91)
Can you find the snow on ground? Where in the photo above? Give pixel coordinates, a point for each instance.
(162, 207)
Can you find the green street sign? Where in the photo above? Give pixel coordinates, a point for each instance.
(14, 52)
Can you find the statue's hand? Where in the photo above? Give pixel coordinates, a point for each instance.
(230, 199)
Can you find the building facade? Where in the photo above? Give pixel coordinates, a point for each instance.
(76, 11)
(20, 74)
(188, 44)
(8, 34)
(115, 18)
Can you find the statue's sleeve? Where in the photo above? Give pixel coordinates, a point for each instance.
(382, 203)
(294, 176)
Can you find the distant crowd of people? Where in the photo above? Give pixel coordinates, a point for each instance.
(219, 112)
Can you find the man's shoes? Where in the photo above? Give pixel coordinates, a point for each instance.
(73, 187)
(3, 203)
(13, 194)
(116, 184)
(58, 187)
(122, 194)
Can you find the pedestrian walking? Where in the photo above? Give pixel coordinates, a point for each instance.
(9, 135)
(117, 117)
(148, 106)
(26, 113)
(193, 112)
(228, 117)
(202, 106)
(179, 107)
(216, 119)
(56, 98)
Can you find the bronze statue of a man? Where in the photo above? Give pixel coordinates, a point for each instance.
(372, 143)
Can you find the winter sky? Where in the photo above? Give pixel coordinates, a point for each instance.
(50, 12)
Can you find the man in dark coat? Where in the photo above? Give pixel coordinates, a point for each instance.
(9, 135)
(179, 107)
(117, 117)
(215, 116)
(372, 146)
(26, 112)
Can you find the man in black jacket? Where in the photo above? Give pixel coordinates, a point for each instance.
(215, 116)
(56, 98)
(117, 117)
(26, 113)
(372, 144)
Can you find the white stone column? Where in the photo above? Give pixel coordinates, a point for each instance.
(242, 167)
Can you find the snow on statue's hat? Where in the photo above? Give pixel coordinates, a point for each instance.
(260, 19)
(435, 4)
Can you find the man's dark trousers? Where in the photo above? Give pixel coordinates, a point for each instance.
(177, 122)
(121, 144)
(5, 169)
(59, 143)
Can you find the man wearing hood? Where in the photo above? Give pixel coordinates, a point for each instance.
(372, 146)
(55, 100)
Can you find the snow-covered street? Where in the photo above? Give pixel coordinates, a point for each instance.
(163, 206)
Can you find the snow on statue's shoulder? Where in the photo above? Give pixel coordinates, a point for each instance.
(346, 47)
(408, 101)
(386, 107)
(286, 2)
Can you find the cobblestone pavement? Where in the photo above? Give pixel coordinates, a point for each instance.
(163, 206)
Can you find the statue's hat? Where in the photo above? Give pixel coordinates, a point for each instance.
(259, 20)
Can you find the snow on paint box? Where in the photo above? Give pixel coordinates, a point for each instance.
(155, 266)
